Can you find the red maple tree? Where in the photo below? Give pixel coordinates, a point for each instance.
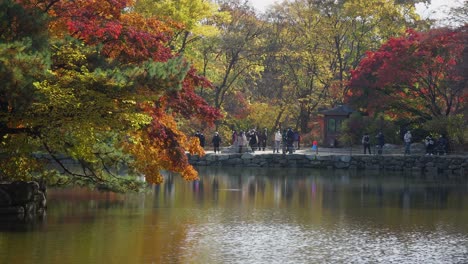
(420, 75)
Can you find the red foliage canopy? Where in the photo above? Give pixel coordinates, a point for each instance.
(419, 75)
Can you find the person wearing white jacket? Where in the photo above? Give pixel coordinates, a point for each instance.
(242, 142)
(278, 139)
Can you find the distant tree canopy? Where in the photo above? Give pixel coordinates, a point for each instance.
(310, 48)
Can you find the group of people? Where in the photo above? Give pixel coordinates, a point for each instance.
(201, 138)
(432, 146)
(437, 147)
(216, 140)
(380, 142)
(256, 140)
(288, 140)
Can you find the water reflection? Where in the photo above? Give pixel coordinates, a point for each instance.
(234, 215)
(334, 189)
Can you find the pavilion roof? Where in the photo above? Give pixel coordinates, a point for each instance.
(338, 110)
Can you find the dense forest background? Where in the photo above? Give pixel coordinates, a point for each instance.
(280, 68)
(116, 84)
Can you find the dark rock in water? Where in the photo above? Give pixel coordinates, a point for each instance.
(5, 199)
(23, 199)
(11, 210)
(22, 192)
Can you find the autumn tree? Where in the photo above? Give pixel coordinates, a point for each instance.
(109, 96)
(192, 20)
(238, 52)
(418, 77)
(350, 28)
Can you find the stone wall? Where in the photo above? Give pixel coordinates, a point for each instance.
(454, 165)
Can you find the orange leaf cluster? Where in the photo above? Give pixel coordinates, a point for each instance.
(162, 147)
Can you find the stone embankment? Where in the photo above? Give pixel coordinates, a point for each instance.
(453, 165)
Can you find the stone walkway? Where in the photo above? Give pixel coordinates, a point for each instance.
(391, 150)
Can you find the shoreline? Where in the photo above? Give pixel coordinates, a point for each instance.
(452, 165)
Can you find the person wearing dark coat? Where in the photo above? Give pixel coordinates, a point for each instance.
(380, 142)
(441, 146)
(216, 142)
(202, 140)
(253, 140)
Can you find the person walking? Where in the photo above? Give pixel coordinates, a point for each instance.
(202, 140)
(253, 139)
(296, 140)
(380, 142)
(278, 138)
(366, 143)
(407, 139)
(216, 142)
(315, 146)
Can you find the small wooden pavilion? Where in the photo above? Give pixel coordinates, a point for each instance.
(332, 121)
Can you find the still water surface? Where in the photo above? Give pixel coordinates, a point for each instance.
(253, 216)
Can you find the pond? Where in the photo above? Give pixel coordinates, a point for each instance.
(258, 215)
